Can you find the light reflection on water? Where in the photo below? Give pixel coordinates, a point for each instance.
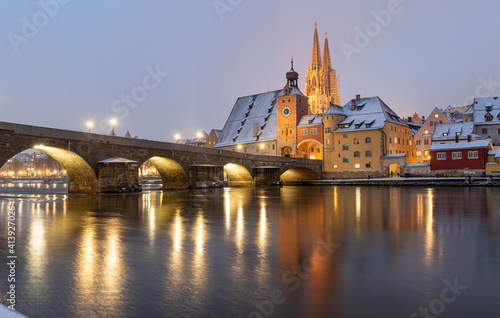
(223, 252)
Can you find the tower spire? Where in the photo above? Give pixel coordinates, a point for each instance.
(316, 53)
(327, 62)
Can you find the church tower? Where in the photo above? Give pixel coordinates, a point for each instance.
(322, 84)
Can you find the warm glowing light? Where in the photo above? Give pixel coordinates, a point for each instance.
(177, 137)
(261, 145)
(240, 147)
(199, 135)
(90, 124)
(312, 157)
(113, 122)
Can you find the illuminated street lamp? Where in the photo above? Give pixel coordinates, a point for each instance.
(177, 137)
(199, 135)
(113, 123)
(90, 125)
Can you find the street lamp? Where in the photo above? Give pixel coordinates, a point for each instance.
(199, 135)
(90, 125)
(113, 123)
(177, 137)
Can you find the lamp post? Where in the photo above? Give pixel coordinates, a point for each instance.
(90, 125)
(113, 123)
(177, 137)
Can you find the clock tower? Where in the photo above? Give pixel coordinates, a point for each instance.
(292, 105)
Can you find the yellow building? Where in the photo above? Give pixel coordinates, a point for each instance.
(366, 135)
(423, 137)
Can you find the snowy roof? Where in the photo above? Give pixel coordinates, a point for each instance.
(335, 110)
(461, 145)
(496, 153)
(294, 91)
(311, 120)
(484, 106)
(369, 113)
(448, 131)
(395, 155)
(217, 132)
(257, 109)
(117, 160)
(418, 164)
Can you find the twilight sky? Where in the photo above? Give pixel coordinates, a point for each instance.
(167, 67)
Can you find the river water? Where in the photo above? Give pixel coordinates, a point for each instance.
(262, 252)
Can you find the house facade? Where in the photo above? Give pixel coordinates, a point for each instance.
(462, 156)
(423, 137)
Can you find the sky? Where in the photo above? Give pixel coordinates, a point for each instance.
(162, 68)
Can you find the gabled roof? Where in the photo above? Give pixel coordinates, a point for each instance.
(369, 113)
(257, 109)
(311, 120)
(443, 132)
(482, 106)
(335, 110)
(461, 145)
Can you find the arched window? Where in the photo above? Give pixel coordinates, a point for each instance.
(357, 154)
(368, 140)
(345, 147)
(368, 153)
(345, 159)
(356, 141)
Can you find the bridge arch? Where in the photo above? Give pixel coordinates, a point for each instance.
(82, 178)
(238, 175)
(172, 174)
(298, 174)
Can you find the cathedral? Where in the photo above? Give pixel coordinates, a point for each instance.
(322, 83)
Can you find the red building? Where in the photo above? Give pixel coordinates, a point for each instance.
(458, 156)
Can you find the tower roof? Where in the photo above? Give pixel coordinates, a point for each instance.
(292, 77)
(327, 62)
(316, 53)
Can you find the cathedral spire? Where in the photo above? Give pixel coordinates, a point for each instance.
(316, 53)
(327, 62)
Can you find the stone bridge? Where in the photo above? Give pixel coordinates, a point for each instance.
(81, 154)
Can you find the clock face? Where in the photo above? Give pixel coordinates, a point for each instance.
(286, 111)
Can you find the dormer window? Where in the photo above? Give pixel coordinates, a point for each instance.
(488, 117)
(445, 134)
(489, 108)
(458, 133)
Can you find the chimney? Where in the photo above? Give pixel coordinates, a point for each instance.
(456, 139)
(469, 138)
(358, 96)
(353, 104)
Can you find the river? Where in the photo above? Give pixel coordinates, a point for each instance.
(254, 252)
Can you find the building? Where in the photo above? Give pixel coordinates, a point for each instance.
(486, 116)
(460, 156)
(455, 132)
(493, 164)
(266, 123)
(322, 84)
(310, 137)
(423, 137)
(212, 138)
(366, 136)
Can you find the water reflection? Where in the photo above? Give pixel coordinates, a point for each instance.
(196, 253)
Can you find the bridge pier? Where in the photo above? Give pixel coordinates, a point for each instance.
(265, 175)
(117, 174)
(205, 176)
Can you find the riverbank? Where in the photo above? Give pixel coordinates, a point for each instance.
(473, 181)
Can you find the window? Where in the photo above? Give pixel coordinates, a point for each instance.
(459, 133)
(473, 154)
(328, 142)
(426, 153)
(289, 100)
(303, 132)
(419, 153)
(484, 131)
(445, 134)
(432, 123)
(488, 117)
(499, 131)
(368, 153)
(435, 123)
(441, 156)
(399, 140)
(357, 154)
(426, 141)
(345, 135)
(335, 166)
(368, 165)
(395, 140)
(417, 142)
(410, 142)
(345, 147)
(456, 155)
(356, 141)
(314, 131)
(368, 140)
(282, 101)
(390, 140)
(328, 129)
(356, 166)
(345, 160)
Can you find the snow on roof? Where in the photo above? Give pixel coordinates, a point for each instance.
(117, 160)
(395, 155)
(335, 110)
(294, 91)
(239, 127)
(372, 111)
(461, 145)
(418, 164)
(484, 106)
(311, 120)
(496, 153)
(449, 131)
